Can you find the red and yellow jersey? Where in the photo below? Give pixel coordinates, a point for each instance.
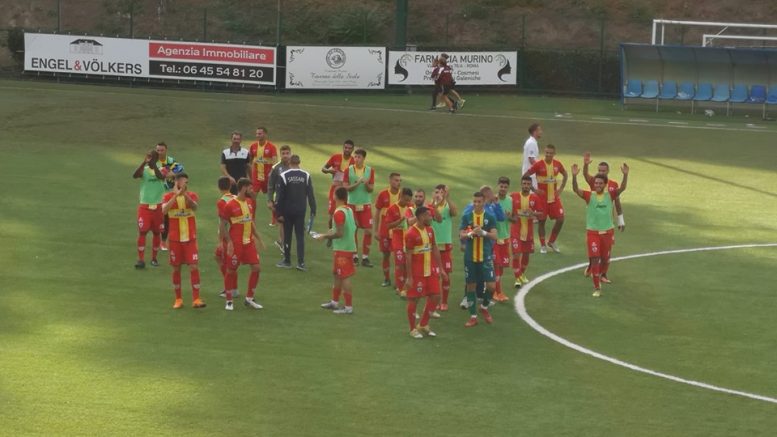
(222, 201)
(418, 244)
(182, 225)
(240, 215)
(396, 212)
(339, 163)
(547, 177)
(262, 160)
(385, 199)
(523, 205)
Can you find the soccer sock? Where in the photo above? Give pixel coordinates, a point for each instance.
(155, 246)
(517, 269)
(553, 236)
(473, 311)
(348, 298)
(542, 241)
(524, 262)
(141, 247)
(595, 274)
(428, 308)
(223, 269)
(446, 289)
(336, 294)
(195, 277)
(177, 283)
(386, 268)
(230, 283)
(399, 276)
(498, 270)
(253, 279)
(487, 294)
(411, 305)
(367, 242)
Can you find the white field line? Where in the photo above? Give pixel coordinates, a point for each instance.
(520, 308)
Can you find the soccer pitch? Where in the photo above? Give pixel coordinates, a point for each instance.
(89, 345)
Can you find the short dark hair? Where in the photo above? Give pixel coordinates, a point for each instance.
(486, 188)
(361, 152)
(264, 129)
(604, 163)
(477, 194)
(285, 147)
(243, 182)
(533, 127)
(295, 159)
(420, 210)
(341, 193)
(235, 132)
(224, 183)
(602, 177)
(420, 190)
(503, 180)
(550, 146)
(527, 178)
(349, 142)
(407, 192)
(162, 143)
(440, 187)
(394, 174)
(181, 175)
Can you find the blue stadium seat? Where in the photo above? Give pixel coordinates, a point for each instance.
(668, 90)
(738, 94)
(757, 94)
(704, 92)
(651, 90)
(633, 88)
(722, 93)
(686, 91)
(772, 97)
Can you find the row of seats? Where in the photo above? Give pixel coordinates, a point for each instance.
(704, 92)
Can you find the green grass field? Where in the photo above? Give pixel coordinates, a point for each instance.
(89, 345)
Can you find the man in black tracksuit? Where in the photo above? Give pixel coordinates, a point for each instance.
(294, 192)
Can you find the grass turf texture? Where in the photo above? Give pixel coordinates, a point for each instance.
(89, 345)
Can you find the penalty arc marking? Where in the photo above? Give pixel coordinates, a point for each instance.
(520, 308)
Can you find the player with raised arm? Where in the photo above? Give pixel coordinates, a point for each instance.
(443, 210)
(396, 223)
(547, 172)
(343, 237)
(360, 182)
(238, 232)
(423, 271)
(180, 205)
(478, 229)
(598, 224)
(386, 198)
(522, 212)
(150, 217)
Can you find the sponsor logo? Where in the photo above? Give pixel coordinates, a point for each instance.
(399, 67)
(86, 47)
(335, 58)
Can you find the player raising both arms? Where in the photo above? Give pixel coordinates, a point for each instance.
(238, 232)
(598, 223)
(522, 212)
(443, 211)
(396, 223)
(478, 230)
(180, 205)
(423, 271)
(152, 187)
(337, 165)
(386, 198)
(343, 238)
(547, 172)
(360, 182)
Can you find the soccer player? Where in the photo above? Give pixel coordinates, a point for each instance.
(531, 151)
(523, 210)
(396, 223)
(272, 185)
(502, 246)
(547, 172)
(449, 84)
(386, 198)
(235, 161)
(422, 271)
(604, 169)
(264, 155)
(444, 210)
(598, 223)
(359, 180)
(337, 165)
(479, 230)
(224, 184)
(180, 205)
(169, 168)
(238, 232)
(152, 187)
(343, 237)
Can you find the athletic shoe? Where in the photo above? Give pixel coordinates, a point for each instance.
(163, 246)
(433, 108)
(427, 331)
(178, 304)
(140, 265)
(415, 334)
(417, 316)
(452, 111)
(597, 292)
(328, 243)
(461, 103)
(473, 321)
(403, 293)
(464, 303)
(271, 224)
(486, 315)
(343, 310)
(524, 280)
(283, 265)
(154, 263)
(223, 294)
(435, 315)
(443, 307)
(385, 283)
(250, 302)
(543, 249)
(491, 303)
(301, 267)
(198, 304)
(279, 245)
(503, 297)
(441, 105)
(554, 246)
(356, 261)
(366, 263)
(456, 105)
(605, 280)
(229, 306)
(587, 272)
(331, 305)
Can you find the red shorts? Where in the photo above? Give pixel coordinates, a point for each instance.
(150, 219)
(385, 243)
(445, 257)
(332, 203)
(362, 215)
(520, 246)
(599, 243)
(553, 210)
(399, 258)
(260, 186)
(502, 254)
(342, 265)
(424, 286)
(243, 254)
(183, 252)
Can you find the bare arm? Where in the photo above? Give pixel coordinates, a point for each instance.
(563, 180)
(625, 170)
(586, 162)
(575, 187)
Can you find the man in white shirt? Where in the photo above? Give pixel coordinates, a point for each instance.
(531, 150)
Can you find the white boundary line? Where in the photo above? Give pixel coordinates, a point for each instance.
(520, 308)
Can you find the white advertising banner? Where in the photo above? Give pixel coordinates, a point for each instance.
(312, 67)
(104, 56)
(469, 68)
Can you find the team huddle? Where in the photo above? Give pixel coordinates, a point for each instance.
(415, 234)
